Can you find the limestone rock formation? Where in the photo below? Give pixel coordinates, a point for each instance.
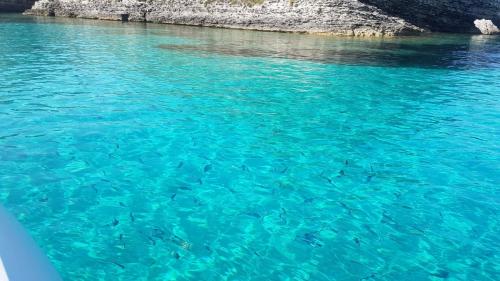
(339, 17)
(486, 27)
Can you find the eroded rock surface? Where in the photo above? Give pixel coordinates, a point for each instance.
(486, 27)
(339, 17)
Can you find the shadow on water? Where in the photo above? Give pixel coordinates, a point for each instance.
(450, 51)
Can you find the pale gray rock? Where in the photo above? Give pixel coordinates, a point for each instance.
(337, 17)
(486, 27)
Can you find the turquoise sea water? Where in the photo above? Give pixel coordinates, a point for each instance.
(156, 152)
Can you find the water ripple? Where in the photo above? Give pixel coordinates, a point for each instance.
(237, 155)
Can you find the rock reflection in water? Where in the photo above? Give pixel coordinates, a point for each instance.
(427, 52)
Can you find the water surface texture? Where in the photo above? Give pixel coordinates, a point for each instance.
(157, 152)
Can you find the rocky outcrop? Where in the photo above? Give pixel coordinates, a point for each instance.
(343, 17)
(486, 27)
(441, 15)
(339, 17)
(15, 5)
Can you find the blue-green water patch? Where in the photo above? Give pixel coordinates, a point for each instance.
(250, 155)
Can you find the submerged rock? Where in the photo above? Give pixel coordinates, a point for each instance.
(486, 27)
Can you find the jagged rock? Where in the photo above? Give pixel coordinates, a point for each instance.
(486, 27)
(338, 17)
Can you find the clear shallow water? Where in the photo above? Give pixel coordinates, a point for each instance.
(151, 152)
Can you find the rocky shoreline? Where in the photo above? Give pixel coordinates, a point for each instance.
(336, 17)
